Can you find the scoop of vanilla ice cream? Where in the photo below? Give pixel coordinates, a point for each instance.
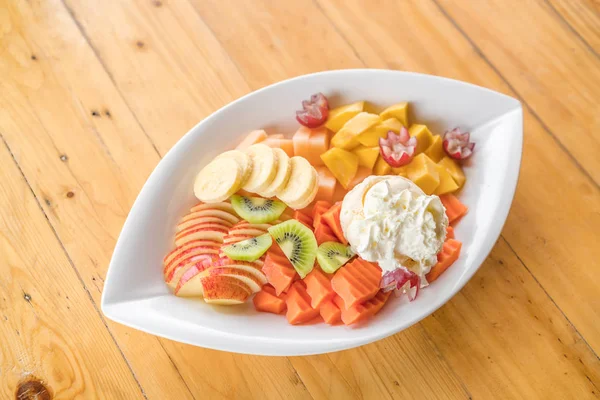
(389, 220)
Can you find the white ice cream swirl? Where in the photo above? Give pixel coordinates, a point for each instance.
(389, 220)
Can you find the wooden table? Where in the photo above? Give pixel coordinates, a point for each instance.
(93, 93)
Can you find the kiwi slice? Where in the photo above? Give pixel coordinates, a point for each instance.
(249, 249)
(257, 210)
(332, 255)
(298, 243)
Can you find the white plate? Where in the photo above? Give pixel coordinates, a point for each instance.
(135, 294)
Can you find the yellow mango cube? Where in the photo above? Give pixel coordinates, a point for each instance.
(346, 138)
(367, 156)
(423, 172)
(447, 183)
(340, 115)
(398, 111)
(342, 164)
(454, 170)
(371, 136)
(423, 135)
(435, 151)
(400, 171)
(381, 167)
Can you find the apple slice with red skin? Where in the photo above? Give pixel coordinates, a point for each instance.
(173, 253)
(183, 225)
(234, 238)
(224, 206)
(178, 251)
(231, 219)
(198, 264)
(212, 212)
(189, 284)
(192, 255)
(218, 226)
(228, 261)
(252, 232)
(225, 290)
(254, 267)
(246, 225)
(254, 270)
(214, 234)
(249, 278)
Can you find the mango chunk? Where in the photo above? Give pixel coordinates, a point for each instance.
(447, 183)
(435, 151)
(423, 135)
(340, 115)
(381, 167)
(400, 171)
(371, 136)
(360, 176)
(367, 156)
(454, 170)
(423, 172)
(346, 138)
(398, 111)
(342, 164)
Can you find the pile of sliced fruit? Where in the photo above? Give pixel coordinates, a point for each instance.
(260, 169)
(365, 143)
(268, 222)
(294, 262)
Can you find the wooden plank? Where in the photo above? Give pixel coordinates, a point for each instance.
(287, 39)
(507, 340)
(539, 241)
(165, 61)
(407, 364)
(88, 194)
(213, 374)
(53, 339)
(54, 90)
(583, 17)
(554, 72)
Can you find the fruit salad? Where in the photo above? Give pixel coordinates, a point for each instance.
(325, 225)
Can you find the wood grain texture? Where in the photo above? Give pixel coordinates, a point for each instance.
(545, 63)
(93, 93)
(583, 17)
(64, 120)
(160, 47)
(502, 334)
(52, 335)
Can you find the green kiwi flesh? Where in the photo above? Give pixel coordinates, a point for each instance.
(249, 249)
(257, 210)
(298, 243)
(332, 255)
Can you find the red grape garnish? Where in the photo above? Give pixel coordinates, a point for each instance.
(398, 148)
(457, 145)
(314, 112)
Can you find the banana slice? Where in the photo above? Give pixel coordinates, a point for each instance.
(301, 184)
(309, 199)
(241, 158)
(283, 174)
(264, 168)
(217, 181)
